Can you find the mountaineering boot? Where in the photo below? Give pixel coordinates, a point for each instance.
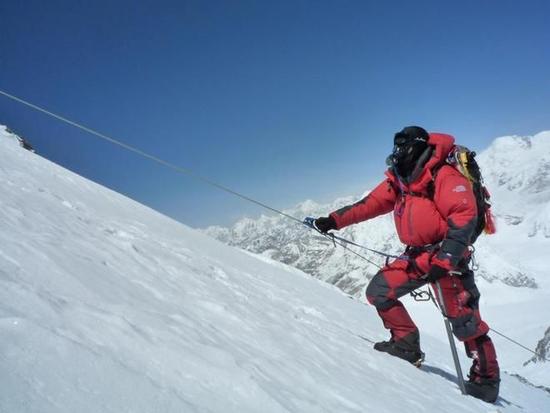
(415, 357)
(484, 377)
(407, 348)
(486, 390)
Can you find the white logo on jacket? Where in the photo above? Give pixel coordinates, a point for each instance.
(459, 188)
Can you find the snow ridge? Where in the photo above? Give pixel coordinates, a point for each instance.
(543, 349)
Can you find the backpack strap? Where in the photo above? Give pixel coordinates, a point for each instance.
(431, 185)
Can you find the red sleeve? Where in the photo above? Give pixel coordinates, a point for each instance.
(380, 201)
(455, 200)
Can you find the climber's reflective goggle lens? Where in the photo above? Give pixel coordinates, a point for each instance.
(400, 140)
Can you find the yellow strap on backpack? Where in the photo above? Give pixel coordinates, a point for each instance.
(463, 162)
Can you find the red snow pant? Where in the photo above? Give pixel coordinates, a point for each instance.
(461, 297)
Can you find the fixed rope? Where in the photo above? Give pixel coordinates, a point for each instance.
(511, 340)
(519, 344)
(185, 171)
(346, 241)
(179, 169)
(188, 172)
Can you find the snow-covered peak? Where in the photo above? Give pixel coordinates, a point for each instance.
(516, 170)
(7, 134)
(307, 206)
(519, 164)
(503, 145)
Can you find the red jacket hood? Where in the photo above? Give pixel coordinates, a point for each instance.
(442, 144)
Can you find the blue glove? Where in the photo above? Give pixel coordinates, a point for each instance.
(309, 221)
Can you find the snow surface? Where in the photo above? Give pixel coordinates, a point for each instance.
(108, 306)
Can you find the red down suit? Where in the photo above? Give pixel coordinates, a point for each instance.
(435, 216)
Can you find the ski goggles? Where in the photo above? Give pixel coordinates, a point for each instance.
(403, 139)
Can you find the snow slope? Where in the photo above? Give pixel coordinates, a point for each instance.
(108, 306)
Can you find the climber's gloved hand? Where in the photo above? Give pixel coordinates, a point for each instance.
(322, 224)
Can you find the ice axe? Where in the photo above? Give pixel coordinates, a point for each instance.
(443, 308)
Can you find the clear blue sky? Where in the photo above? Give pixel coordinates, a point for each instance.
(282, 100)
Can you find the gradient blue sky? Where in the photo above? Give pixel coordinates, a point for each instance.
(281, 100)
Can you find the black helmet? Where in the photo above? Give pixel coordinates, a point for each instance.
(408, 146)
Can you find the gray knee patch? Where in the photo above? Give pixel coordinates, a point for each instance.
(377, 292)
(464, 327)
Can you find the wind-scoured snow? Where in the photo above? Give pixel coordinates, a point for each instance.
(108, 306)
